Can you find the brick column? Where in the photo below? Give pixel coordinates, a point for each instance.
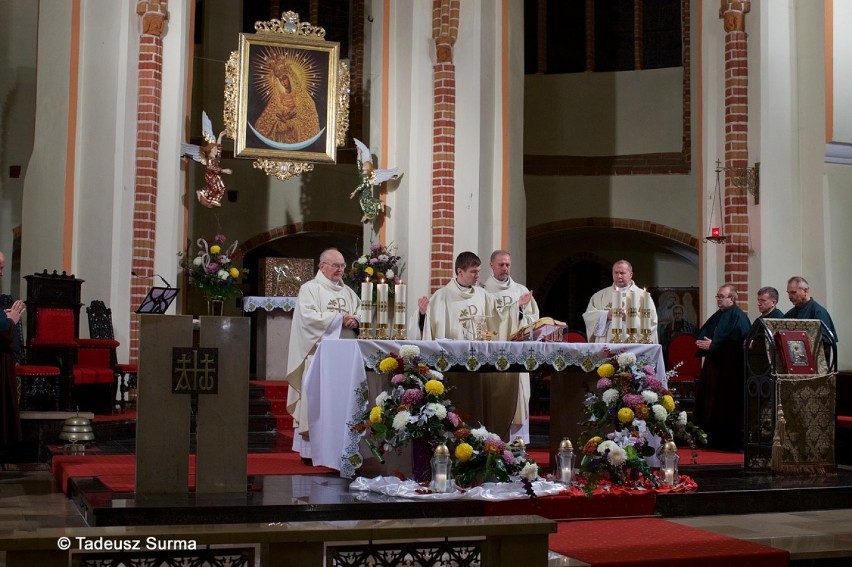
(445, 27)
(153, 15)
(735, 210)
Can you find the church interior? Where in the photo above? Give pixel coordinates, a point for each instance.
(704, 141)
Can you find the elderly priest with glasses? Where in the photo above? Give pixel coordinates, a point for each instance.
(326, 307)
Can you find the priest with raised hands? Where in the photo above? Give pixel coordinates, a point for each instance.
(326, 307)
(508, 292)
(457, 311)
(599, 313)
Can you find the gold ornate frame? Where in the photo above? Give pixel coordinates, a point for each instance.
(315, 98)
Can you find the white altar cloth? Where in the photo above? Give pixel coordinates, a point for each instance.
(336, 381)
(492, 491)
(254, 302)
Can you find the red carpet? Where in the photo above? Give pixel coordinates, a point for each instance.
(640, 542)
(118, 472)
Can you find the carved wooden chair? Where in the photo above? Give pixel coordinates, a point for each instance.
(38, 385)
(100, 328)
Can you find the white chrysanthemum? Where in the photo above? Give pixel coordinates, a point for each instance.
(362, 260)
(604, 445)
(480, 433)
(530, 471)
(389, 274)
(610, 396)
(439, 410)
(650, 397)
(400, 420)
(223, 275)
(435, 375)
(660, 413)
(681, 418)
(383, 257)
(407, 352)
(626, 359)
(197, 261)
(617, 456)
(381, 399)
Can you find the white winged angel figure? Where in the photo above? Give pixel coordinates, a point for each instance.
(214, 188)
(371, 207)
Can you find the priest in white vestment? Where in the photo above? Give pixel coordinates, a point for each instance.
(508, 292)
(598, 315)
(326, 307)
(454, 312)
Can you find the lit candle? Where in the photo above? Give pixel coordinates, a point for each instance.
(714, 232)
(632, 310)
(567, 474)
(382, 302)
(399, 292)
(367, 301)
(616, 309)
(669, 477)
(440, 481)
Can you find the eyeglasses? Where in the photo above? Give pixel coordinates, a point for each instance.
(723, 297)
(335, 266)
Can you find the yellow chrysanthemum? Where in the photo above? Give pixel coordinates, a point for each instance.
(625, 415)
(434, 388)
(606, 370)
(368, 270)
(388, 365)
(234, 272)
(215, 249)
(464, 452)
(668, 403)
(376, 414)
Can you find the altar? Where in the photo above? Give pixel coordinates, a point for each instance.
(274, 323)
(336, 380)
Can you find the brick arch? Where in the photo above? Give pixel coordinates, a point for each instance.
(666, 237)
(299, 228)
(679, 237)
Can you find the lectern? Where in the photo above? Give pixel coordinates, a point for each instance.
(791, 366)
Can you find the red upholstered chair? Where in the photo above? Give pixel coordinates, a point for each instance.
(54, 338)
(100, 327)
(574, 337)
(682, 349)
(95, 369)
(38, 386)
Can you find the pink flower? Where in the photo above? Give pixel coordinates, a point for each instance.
(220, 239)
(454, 419)
(653, 384)
(494, 446)
(604, 383)
(212, 267)
(508, 457)
(412, 396)
(633, 400)
(649, 370)
(398, 379)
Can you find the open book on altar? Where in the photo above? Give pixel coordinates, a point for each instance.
(546, 329)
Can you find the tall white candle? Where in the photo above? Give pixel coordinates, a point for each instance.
(367, 301)
(399, 293)
(382, 303)
(632, 310)
(646, 309)
(616, 309)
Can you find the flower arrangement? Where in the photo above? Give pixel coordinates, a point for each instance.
(380, 264)
(212, 268)
(416, 406)
(481, 456)
(635, 407)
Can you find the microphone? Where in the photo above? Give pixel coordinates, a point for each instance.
(149, 277)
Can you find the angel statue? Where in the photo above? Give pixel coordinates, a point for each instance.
(214, 188)
(370, 177)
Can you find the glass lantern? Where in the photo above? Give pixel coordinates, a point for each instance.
(668, 464)
(442, 474)
(565, 462)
